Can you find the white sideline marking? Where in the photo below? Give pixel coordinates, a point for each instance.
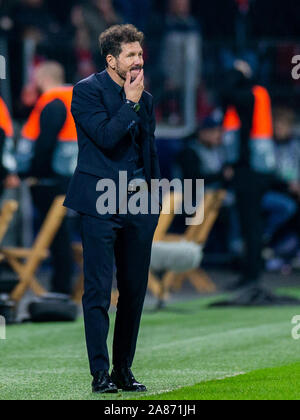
(221, 378)
(239, 331)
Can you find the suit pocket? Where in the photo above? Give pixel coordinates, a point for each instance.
(99, 173)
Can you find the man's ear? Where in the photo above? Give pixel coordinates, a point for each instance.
(111, 61)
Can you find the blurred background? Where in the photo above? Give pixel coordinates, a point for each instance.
(190, 48)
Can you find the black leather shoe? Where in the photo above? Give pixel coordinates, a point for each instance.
(124, 379)
(102, 383)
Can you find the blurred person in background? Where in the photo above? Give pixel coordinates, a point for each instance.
(287, 148)
(249, 142)
(62, 14)
(204, 156)
(181, 30)
(85, 63)
(98, 16)
(8, 165)
(33, 20)
(6, 22)
(281, 203)
(35, 34)
(136, 12)
(47, 154)
(90, 19)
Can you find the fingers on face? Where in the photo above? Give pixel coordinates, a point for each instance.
(128, 77)
(142, 79)
(140, 76)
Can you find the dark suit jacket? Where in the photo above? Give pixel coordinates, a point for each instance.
(103, 122)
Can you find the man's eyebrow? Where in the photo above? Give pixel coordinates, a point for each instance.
(133, 52)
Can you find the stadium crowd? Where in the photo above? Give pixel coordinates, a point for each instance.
(49, 45)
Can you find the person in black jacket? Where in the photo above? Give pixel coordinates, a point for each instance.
(253, 165)
(47, 159)
(115, 122)
(8, 166)
(204, 155)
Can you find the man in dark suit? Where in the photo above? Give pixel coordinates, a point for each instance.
(115, 123)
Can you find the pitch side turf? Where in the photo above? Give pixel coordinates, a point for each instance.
(184, 352)
(267, 384)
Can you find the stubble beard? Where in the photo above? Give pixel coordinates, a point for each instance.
(123, 74)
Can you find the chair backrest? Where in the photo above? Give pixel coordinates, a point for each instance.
(6, 215)
(170, 204)
(213, 201)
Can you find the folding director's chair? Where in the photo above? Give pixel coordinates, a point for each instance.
(26, 261)
(171, 203)
(198, 234)
(7, 212)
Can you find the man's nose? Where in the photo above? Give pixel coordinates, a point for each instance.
(139, 61)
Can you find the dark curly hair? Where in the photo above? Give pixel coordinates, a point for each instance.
(112, 39)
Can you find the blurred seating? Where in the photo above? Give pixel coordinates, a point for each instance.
(173, 278)
(171, 202)
(26, 261)
(7, 212)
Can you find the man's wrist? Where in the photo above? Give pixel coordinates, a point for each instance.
(134, 105)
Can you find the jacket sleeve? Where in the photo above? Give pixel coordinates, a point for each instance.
(91, 115)
(153, 147)
(52, 120)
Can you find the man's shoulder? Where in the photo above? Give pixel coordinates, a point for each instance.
(55, 105)
(91, 82)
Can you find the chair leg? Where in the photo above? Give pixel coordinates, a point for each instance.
(201, 281)
(25, 281)
(78, 290)
(154, 285)
(36, 287)
(166, 284)
(178, 281)
(20, 289)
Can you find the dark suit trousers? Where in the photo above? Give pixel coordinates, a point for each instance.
(127, 241)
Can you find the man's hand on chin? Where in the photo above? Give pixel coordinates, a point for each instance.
(135, 89)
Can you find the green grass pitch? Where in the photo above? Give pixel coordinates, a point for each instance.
(273, 383)
(185, 352)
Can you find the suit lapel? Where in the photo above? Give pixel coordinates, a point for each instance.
(115, 100)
